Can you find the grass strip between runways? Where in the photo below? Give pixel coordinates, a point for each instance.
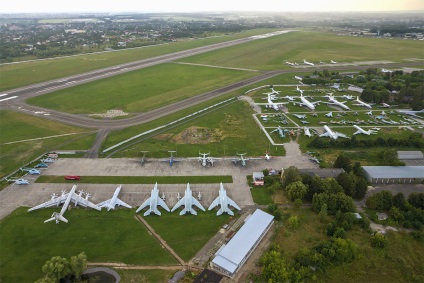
(138, 179)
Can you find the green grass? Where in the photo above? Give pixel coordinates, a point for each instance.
(187, 234)
(22, 74)
(149, 275)
(261, 196)
(16, 127)
(270, 53)
(106, 236)
(141, 90)
(138, 179)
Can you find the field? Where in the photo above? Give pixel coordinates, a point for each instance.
(400, 261)
(270, 53)
(113, 236)
(16, 127)
(22, 74)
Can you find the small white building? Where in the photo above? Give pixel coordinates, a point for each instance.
(230, 257)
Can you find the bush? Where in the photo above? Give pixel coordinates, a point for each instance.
(379, 240)
(293, 222)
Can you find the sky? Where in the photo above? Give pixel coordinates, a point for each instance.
(52, 6)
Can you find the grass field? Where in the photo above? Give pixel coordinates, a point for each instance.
(114, 236)
(140, 90)
(16, 127)
(400, 261)
(22, 74)
(145, 276)
(138, 179)
(270, 53)
(261, 196)
(187, 234)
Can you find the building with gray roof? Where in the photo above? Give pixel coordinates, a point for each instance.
(232, 256)
(394, 174)
(410, 155)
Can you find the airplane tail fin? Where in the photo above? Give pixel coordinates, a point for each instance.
(230, 212)
(109, 207)
(157, 211)
(192, 211)
(147, 212)
(219, 212)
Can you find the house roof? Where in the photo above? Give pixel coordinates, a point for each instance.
(393, 172)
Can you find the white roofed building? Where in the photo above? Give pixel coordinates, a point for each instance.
(233, 255)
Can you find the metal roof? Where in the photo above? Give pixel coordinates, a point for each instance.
(393, 172)
(237, 249)
(410, 155)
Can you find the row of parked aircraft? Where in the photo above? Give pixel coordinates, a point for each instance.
(152, 202)
(308, 63)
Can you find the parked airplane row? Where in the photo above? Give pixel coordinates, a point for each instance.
(308, 63)
(152, 202)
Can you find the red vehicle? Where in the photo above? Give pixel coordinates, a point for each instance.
(73, 178)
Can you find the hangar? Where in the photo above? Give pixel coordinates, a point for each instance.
(230, 257)
(394, 174)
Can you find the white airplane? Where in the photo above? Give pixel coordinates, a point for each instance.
(114, 201)
(349, 97)
(362, 131)
(308, 63)
(361, 103)
(329, 115)
(178, 196)
(289, 98)
(188, 201)
(273, 91)
(385, 105)
(331, 134)
(410, 112)
(336, 102)
(300, 116)
(298, 89)
(205, 160)
(305, 102)
(65, 198)
(369, 113)
(153, 201)
(307, 132)
(199, 196)
(333, 62)
(321, 62)
(224, 201)
(386, 71)
(291, 64)
(267, 156)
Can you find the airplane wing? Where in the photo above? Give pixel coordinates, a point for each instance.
(214, 203)
(58, 200)
(163, 204)
(145, 203)
(178, 204)
(82, 201)
(121, 203)
(326, 134)
(197, 203)
(104, 203)
(233, 204)
(357, 132)
(342, 135)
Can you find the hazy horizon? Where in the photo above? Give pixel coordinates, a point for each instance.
(193, 6)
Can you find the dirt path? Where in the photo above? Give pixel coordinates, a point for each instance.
(139, 267)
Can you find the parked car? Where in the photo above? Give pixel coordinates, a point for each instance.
(69, 177)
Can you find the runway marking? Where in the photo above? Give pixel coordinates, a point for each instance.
(4, 99)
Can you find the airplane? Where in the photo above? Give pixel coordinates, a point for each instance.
(300, 116)
(308, 63)
(163, 196)
(298, 89)
(224, 201)
(178, 196)
(307, 132)
(199, 196)
(20, 181)
(369, 113)
(32, 171)
(205, 160)
(188, 201)
(362, 131)
(411, 113)
(48, 160)
(143, 159)
(336, 102)
(65, 198)
(333, 62)
(114, 201)
(305, 102)
(267, 156)
(386, 71)
(273, 91)
(41, 165)
(314, 114)
(304, 122)
(321, 62)
(329, 115)
(349, 97)
(291, 64)
(282, 132)
(289, 98)
(171, 159)
(274, 105)
(331, 134)
(385, 105)
(361, 103)
(242, 160)
(153, 201)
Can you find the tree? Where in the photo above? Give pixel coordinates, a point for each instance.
(273, 268)
(416, 200)
(331, 186)
(381, 201)
(293, 222)
(78, 264)
(323, 215)
(344, 162)
(291, 175)
(390, 158)
(56, 268)
(316, 187)
(348, 183)
(361, 187)
(296, 190)
(399, 201)
(379, 240)
(297, 204)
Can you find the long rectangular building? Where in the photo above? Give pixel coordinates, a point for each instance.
(232, 256)
(394, 174)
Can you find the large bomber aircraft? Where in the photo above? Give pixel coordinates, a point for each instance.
(362, 131)
(114, 201)
(65, 198)
(361, 103)
(204, 159)
(224, 201)
(153, 201)
(188, 201)
(331, 134)
(243, 161)
(308, 63)
(305, 102)
(334, 101)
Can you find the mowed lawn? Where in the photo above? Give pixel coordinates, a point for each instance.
(27, 73)
(187, 234)
(140, 90)
(271, 53)
(18, 127)
(106, 236)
